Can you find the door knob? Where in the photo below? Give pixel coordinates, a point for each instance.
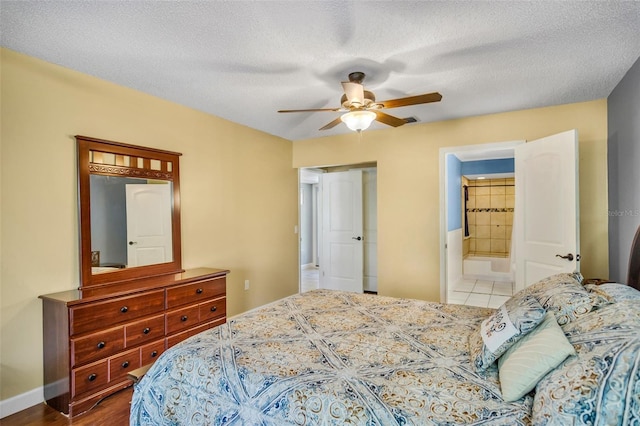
(132, 243)
(569, 257)
(356, 238)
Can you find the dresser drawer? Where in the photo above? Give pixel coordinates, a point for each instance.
(143, 331)
(113, 311)
(120, 365)
(150, 352)
(181, 319)
(196, 292)
(213, 309)
(179, 337)
(89, 377)
(96, 346)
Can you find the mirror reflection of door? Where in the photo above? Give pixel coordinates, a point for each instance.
(148, 224)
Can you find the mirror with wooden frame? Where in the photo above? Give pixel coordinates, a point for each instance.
(129, 199)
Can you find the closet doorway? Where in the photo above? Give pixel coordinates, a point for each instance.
(310, 206)
(338, 228)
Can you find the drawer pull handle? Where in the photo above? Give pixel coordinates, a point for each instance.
(124, 309)
(146, 330)
(92, 377)
(154, 354)
(125, 364)
(101, 345)
(183, 318)
(199, 291)
(214, 308)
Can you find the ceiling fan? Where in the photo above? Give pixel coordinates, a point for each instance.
(362, 109)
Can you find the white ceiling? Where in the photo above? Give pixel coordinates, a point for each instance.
(244, 60)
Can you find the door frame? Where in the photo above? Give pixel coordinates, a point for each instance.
(444, 261)
(304, 176)
(321, 170)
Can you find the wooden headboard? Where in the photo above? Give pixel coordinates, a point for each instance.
(634, 262)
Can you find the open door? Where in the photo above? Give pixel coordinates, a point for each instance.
(148, 224)
(546, 223)
(341, 265)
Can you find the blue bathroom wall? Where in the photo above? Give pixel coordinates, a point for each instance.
(503, 165)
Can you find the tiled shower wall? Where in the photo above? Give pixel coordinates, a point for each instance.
(490, 216)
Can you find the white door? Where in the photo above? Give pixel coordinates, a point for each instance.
(148, 224)
(546, 221)
(342, 243)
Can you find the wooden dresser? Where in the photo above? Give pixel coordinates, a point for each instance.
(94, 337)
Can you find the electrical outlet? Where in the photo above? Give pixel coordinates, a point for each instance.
(246, 284)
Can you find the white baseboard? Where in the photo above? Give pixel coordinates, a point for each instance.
(20, 402)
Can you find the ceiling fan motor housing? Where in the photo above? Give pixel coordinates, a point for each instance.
(369, 99)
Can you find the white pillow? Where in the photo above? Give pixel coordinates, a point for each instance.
(514, 319)
(530, 359)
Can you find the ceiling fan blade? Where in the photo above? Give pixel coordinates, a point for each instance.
(310, 110)
(331, 125)
(389, 119)
(412, 100)
(354, 92)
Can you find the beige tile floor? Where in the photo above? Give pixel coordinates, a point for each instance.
(486, 294)
(309, 279)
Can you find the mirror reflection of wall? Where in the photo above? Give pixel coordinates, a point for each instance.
(109, 218)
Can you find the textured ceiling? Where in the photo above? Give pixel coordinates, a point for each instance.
(245, 60)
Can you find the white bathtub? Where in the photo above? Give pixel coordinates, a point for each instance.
(487, 268)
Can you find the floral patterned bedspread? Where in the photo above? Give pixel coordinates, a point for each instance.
(329, 358)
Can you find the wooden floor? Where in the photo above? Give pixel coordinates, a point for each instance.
(111, 411)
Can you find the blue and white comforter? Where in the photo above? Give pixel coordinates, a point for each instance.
(329, 358)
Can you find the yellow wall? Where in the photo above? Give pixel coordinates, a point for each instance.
(239, 192)
(239, 196)
(408, 184)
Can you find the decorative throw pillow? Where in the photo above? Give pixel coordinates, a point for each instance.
(514, 319)
(530, 359)
(561, 294)
(598, 386)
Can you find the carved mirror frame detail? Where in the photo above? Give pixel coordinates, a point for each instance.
(108, 158)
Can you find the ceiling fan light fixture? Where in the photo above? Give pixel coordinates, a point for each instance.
(358, 120)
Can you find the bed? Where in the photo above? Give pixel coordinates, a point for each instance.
(562, 351)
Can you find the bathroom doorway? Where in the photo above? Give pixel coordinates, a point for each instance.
(479, 201)
(546, 231)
